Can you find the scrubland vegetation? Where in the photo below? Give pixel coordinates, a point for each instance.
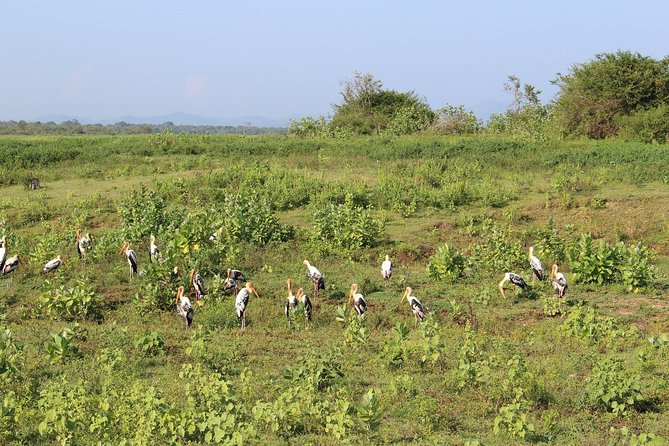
(89, 357)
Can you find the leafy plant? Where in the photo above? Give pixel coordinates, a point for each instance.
(395, 351)
(11, 356)
(356, 333)
(512, 417)
(143, 213)
(553, 305)
(346, 226)
(151, 344)
(611, 387)
(62, 345)
(592, 263)
(446, 264)
(368, 412)
(473, 367)
(70, 302)
(637, 272)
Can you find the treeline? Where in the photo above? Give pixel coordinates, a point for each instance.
(621, 94)
(73, 127)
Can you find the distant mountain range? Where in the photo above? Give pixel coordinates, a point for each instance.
(176, 119)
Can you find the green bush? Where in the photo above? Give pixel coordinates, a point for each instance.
(70, 302)
(603, 263)
(612, 387)
(649, 126)
(143, 213)
(346, 226)
(151, 344)
(446, 264)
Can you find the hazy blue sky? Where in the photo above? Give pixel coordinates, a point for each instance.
(105, 59)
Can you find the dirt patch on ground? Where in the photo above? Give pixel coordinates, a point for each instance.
(415, 253)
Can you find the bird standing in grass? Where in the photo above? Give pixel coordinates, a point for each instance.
(358, 300)
(197, 283)
(131, 257)
(315, 276)
(154, 252)
(184, 308)
(84, 244)
(416, 306)
(559, 281)
(232, 280)
(515, 279)
(535, 264)
(386, 268)
(52, 265)
(242, 302)
(291, 300)
(11, 264)
(306, 303)
(3, 251)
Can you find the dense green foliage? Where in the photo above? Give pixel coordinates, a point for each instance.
(594, 94)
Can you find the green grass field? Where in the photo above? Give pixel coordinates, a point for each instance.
(90, 357)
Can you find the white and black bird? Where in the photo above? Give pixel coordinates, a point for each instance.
(291, 301)
(357, 300)
(131, 257)
(515, 279)
(315, 276)
(154, 252)
(52, 265)
(84, 244)
(242, 302)
(11, 264)
(416, 306)
(386, 268)
(197, 283)
(3, 251)
(559, 281)
(184, 308)
(535, 264)
(232, 280)
(306, 303)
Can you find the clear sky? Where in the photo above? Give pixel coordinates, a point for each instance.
(103, 59)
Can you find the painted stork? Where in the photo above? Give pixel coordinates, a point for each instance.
(515, 279)
(535, 264)
(10, 265)
(559, 281)
(315, 277)
(53, 265)
(306, 302)
(154, 252)
(242, 302)
(414, 303)
(233, 277)
(3, 251)
(131, 257)
(291, 300)
(386, 268)
(358, 300)
(184, 308)
(197, 284)
(84, 244)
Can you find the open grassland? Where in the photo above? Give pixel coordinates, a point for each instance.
(90, 357)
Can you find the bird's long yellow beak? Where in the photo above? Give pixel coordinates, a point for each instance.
(404, 295)
(501, 289)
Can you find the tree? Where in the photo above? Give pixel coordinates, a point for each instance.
(526, 117)
(524, 96)
(594, 95)
(368, 108)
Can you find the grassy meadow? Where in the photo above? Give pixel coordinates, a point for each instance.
(89, 357)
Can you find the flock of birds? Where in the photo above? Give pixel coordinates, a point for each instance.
(234, 278)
